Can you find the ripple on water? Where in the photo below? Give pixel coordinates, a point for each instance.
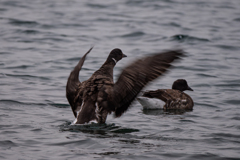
(228, 47)
(206, 156)
(28, 31)
(134, 34)
(26, 76)
(19, 67)
(233, 101)
(19, 22)
(96, 128)
(187, 38)
(7, 144)
(14, 103)
(6, 53)
(57, 105)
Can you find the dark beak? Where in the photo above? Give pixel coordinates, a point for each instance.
(190, 89)
(124, 55)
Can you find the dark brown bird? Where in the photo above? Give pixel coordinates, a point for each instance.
(168, 99)
(98, 96)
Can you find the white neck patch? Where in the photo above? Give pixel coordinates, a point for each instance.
(114, 60)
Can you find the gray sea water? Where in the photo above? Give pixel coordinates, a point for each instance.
(41, 42)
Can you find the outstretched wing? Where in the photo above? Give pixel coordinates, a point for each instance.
(137, 75)
(163, 94)
(73, 83)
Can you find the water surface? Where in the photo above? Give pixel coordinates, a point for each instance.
(42, 41)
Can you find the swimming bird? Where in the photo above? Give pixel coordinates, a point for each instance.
(95, 98)
(168, 99)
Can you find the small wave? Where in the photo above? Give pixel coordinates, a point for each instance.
(28, 31)
(205, 104)
(72, 25)
(19, 22)
(7, 144)
(206, 75)
(233, 101)
(187, 121)
(54, 39)
(237, 19)
(174, 24)
(6, 53)
(19, 67)
(11, 101)
(6, 101)
(3, 9)
(124, 130)
(205, 156)
(98, 6)
(74, 59)
(96, 128)
(134, 34)
(225, 135)
(227, 85)
(236, 118)
(108, 153)
(233, 81)
(227, 47)
(194, 68)
(15, 4)
(27, 76)
(187, 38)
(59, 105)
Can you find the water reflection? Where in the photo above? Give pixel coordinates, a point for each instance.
(95, 128)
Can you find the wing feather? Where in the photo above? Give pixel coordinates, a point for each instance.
(73, 83)
(134, 77)
(162, 94)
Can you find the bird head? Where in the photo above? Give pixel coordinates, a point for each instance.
(181, 85)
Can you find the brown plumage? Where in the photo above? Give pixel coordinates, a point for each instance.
(174, 98)
(98, 96)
